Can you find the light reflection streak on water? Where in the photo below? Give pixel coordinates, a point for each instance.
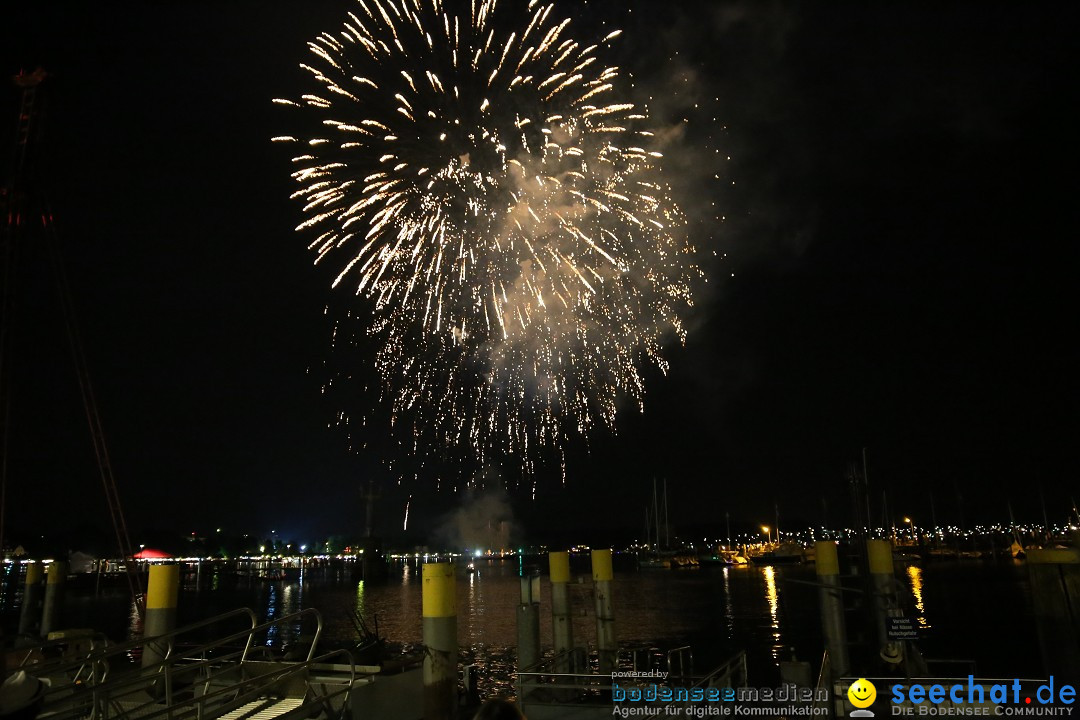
(11, 577)
(405, 591)
(915, 576)
(283, 599)
(729, 610)
(135, 629)
(292, 600)
(774, 604)
(135, 621)
(271, 611)
(475, 594)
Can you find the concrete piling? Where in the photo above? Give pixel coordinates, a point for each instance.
(879, 555)
(162, 593)
(832, 606)
(1055, 594)
(55, 577)
(528, 624)
(562, 628)
(30, 615)
(606, 647)
(440, 640)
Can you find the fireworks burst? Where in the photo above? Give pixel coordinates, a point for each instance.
(477, 180)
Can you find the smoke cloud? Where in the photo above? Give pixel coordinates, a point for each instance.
(484, 521)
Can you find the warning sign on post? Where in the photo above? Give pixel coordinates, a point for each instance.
(901, 628)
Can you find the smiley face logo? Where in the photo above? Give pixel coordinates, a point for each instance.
(862, 693)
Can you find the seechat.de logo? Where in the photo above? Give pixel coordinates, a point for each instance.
(862, 694)
(1007, 697)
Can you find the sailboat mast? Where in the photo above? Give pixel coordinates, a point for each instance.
(866, 491)
(667, 527)
(887, 523)
(656, 513)
(1042, 501)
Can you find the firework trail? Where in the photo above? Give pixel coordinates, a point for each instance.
(477, 180)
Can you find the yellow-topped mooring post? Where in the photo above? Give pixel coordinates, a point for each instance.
(30, 615)
(606, 647)
(827, 567)
(562, 627)
(879, 557)
(162, 593)
(440, 641)
(1055, 595)
(55, 577)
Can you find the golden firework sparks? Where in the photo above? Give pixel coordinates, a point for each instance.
(517, 248)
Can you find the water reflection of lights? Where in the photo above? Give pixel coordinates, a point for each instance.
(774, 606)
(475, 622)
(135, 629)
(729, 610)
(271, 611)
(135, 621)
(915, 576)
(292, 601)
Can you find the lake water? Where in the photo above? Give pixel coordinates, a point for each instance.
(971, 610)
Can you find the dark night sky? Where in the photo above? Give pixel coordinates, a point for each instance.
(899, 272)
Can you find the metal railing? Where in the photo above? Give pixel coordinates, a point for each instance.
(201, 681)
(825, 674)
(680, 662)
(730, 674)
(68, 653)
(243, 684)
(93, 668)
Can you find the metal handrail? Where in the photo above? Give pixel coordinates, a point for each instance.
(736, 662)
(32, 663)
(292, 669)
(98, 663)
(826, 670)
(169, 661)
(99, 658)
(104, 696)
(259, 682)
(582, 682)
(255, 630)
(106, 702)
(681, 653)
